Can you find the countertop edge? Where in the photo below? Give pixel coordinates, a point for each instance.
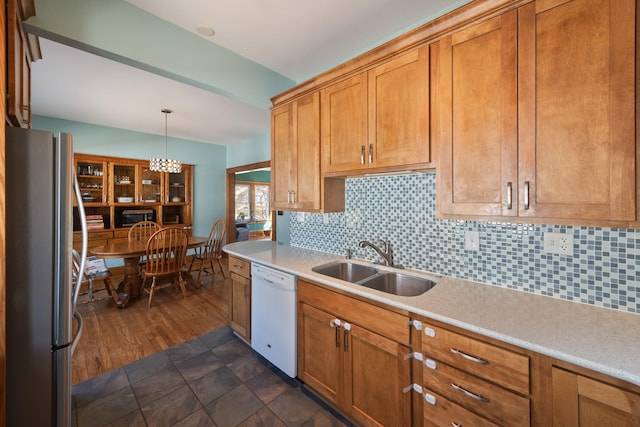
(598, 344)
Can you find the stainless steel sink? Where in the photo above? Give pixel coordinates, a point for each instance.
(398, 284)
(386, 281)
(347, 271)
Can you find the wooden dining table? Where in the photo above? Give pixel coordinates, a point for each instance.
(131, 251)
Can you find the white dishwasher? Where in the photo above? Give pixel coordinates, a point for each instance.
(273, 317)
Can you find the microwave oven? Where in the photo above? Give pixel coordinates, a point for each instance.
(130, 217)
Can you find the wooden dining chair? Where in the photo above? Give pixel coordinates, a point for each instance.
(142, 230)
(211, 250)
(164, 258)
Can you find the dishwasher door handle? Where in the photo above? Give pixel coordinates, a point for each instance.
(276, 285)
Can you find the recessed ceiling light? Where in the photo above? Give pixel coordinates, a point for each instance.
(205, 30)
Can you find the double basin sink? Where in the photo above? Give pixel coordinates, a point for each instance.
(369, 276)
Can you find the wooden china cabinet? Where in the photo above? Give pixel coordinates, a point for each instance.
(113, 188)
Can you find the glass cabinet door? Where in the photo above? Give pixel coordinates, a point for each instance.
(124, 183)
(178, 186)
(92, 176)
(150, 185)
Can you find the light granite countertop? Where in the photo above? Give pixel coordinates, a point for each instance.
(601, 339)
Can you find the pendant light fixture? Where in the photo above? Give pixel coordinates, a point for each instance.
(165, 164)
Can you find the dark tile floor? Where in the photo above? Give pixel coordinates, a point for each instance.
(213, 380)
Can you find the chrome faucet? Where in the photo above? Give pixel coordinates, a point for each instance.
(386, 253)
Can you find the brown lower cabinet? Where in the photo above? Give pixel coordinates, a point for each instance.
(355, 354)
(240, 271)
(383, 366)
(579, 400)
(350, 356)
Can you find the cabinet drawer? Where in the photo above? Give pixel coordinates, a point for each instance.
(93, 235)
(439, 411)
(240, 266)
(377, 319)
(121, 233)
(481, 397)
(487, 361)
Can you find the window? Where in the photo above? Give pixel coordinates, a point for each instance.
(252, 201)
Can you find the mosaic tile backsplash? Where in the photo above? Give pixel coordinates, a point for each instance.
(604, 269)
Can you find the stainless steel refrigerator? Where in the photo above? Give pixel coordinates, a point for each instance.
(40, 303)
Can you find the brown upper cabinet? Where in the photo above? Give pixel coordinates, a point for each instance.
(378, 120)
(22, 49)
(296, 182)
(534, 114)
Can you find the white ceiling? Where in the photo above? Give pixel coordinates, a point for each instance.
(298, 39)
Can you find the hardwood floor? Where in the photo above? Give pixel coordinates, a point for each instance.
(112, 338)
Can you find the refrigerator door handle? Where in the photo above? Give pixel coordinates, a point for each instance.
(76, 337)
(85, 239)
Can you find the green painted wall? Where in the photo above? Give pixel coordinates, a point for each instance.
(249, 151)
(254, 176)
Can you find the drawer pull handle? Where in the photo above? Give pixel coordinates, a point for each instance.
(469, 394)
(456, 425)
(237, 266)
(468, 357)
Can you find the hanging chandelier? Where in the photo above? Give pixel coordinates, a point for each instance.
(165, 164)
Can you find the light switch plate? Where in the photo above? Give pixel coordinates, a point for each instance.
(472, 240)
(558, 243)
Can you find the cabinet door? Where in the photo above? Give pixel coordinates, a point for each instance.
(376, 373)
(584, 402)
(399, 111)
(295, 155)
(320, 354)
(344, 125)
(307, 148)
(241, 305)
(282, 156)
(92, 178)
(124, 176)
(178, 189)
(475, 126)
(577, 109)
(150, 184)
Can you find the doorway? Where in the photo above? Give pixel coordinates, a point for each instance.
(231, 197)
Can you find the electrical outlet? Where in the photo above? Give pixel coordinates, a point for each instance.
(325, 218)
(472, 240)
(558, 243)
